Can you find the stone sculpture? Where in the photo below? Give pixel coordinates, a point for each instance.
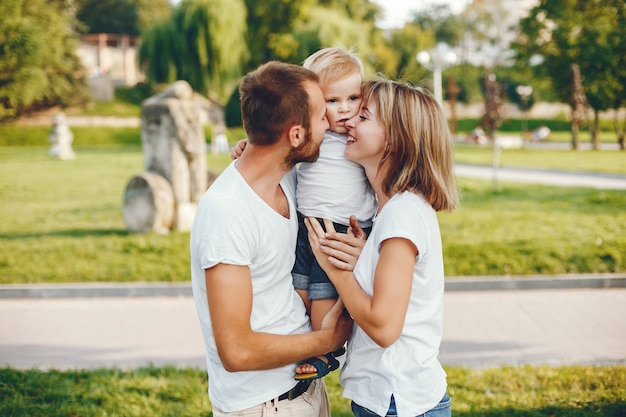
(174, 148)
(61, 138)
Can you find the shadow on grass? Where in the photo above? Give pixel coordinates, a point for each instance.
(67, 233)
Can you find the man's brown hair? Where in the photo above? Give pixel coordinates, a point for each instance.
(274, 98)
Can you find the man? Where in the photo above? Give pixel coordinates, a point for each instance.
(243, 241)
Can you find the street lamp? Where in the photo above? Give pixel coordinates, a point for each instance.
(437, 60)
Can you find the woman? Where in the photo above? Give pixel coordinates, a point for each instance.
(395, 293)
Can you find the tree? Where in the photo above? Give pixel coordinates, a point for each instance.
(492, 119)
(322, 27)
(588, 33)
(152, 11)
(125, 17)
(292, 30)
(38, 63)
(406, 43)
(110, 16)
(270, 28)
(203, 43)
(442, 23)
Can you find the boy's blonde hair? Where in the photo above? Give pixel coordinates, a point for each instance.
(419, 153)
(332, 64)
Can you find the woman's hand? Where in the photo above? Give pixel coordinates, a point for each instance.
(332, 249)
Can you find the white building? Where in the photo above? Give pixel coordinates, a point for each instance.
(110, 61)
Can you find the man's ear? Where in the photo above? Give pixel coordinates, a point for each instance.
(296, 135)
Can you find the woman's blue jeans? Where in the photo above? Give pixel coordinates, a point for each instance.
(440, 410)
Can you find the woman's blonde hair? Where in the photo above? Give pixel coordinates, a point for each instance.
(419, 155)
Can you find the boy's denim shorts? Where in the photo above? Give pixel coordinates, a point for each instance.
(307, 274)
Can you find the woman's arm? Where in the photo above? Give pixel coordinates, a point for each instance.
(383, 319)
(382, 315)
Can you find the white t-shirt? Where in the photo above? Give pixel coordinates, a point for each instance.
(409, 368)
(333, 187)
(233, 225)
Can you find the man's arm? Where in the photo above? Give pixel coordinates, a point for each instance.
(229, 294)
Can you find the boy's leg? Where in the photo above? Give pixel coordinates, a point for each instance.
(319, 308)
(322, 292)
(301, 269)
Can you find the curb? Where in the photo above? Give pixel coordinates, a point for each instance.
(535, 282)
(183, 289)
(96, 289)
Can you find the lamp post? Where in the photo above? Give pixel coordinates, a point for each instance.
(437, 60)
(524, 91)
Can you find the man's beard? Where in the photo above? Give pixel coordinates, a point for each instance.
(309, 151)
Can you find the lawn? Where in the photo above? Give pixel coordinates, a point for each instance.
(610, 162)
(63, 223)
(529, 391)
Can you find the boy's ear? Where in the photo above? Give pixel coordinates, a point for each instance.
(296, 133)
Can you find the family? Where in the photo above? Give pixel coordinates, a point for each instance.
(320, 243)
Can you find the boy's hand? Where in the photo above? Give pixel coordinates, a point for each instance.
(237, 150)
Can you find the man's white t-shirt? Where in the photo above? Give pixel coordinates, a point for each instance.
(234, 226)
(333, 187)
(409, 368)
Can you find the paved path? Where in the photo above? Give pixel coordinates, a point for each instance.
(543, 176)
(481, 328)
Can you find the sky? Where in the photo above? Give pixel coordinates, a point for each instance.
(397, 12)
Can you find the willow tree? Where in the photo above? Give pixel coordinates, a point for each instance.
(126, 17)
(323, 27)
(202, 43)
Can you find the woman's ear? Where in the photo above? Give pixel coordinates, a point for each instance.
(296, 133)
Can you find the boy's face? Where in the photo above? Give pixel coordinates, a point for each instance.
(343, 100)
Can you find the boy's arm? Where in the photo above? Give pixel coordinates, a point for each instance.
(237, 149)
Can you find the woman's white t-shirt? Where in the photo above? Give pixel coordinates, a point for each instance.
(409, 368)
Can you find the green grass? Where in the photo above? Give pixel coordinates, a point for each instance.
(532, 391)
(612, 162)
(560, 128)
(521, 230)
(62, 222)
(127, 103)
(25, 136)
(113, 109)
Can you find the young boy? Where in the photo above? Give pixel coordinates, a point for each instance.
(332, 187)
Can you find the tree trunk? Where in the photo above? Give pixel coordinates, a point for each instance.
(595, 132)
(619, 130)
(575, 139)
